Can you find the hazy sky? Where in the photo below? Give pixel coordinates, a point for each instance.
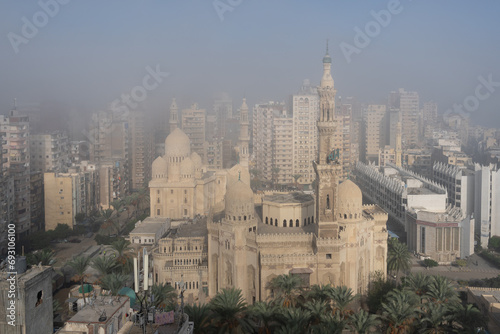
(90, 52)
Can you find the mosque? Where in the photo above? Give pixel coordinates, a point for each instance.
(329, 239)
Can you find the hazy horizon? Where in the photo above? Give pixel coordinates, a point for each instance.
(86, 55)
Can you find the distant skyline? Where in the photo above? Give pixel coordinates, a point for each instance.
(86, 54)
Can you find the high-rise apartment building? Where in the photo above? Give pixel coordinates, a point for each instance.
(487, 202)
(49, 152)
(305, 107)
(408, 104)
(141, 150)
(14, 132)
(272, 142)
(374, 132)
(193, 125)
(67, 194)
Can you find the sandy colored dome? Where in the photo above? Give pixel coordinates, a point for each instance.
(238, 172)
(349, 201)
(239, 200)
(177, 144)
(195, 157)
(187, 167)
(159, 168)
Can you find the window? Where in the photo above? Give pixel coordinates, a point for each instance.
(158, 212)
(328, 256)
(185, 212)
(39, 298)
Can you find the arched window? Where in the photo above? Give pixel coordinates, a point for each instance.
(308, 220)
(305, 222)
(284, 222)
(297, 223)
(244, 217)
(350, 216)
(290, 223)
(327, 201)
(312, 219)
(271, 221)
(275, 221)
(345, 216)
(234, 218)
(267, 220)
(239, 218)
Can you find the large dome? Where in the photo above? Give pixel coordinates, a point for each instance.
(239, 201)
(177, 144)
(349, 201)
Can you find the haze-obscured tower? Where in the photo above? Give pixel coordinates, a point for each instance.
(327, 166)
(173, 121)
(244, 136)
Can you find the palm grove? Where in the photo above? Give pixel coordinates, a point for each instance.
(408, 304)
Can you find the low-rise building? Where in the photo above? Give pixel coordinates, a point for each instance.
(100, 316)
(149, 231)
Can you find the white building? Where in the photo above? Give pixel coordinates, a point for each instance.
(487, 202)
(305, 107)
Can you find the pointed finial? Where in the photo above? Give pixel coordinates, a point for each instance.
(327, 46)
(239, 175)
(15, 103)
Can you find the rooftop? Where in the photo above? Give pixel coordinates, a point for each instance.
(150, 225)
(108, 305)
(295, 197)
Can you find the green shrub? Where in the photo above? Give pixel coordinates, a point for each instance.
(430, 263)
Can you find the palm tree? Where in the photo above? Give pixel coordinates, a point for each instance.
(108, 221)
(229, 308)
(286, 288)
(317, 310)
(164, 295)
(435, 319)
(320, 292)
(363, 322)
(44, 257)
(265, 317)
(114, 282)
(104, 265)
(201, 316)
(123, 254)
(400, 312)
(441, 291)
(399, 258)
(117, 205)
(342, 296)
(80, 265)
(330, 324)
(294, 320)
(467, 319)
(418, 283)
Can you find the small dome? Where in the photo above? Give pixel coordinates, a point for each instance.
(159, 168)
(195, 157)
(177, 144)
(187, 167)
(350, 201)
(239, 200)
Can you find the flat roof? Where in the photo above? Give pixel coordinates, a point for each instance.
(197, 229)
(91, 313)
(150, 225)
(295, 197)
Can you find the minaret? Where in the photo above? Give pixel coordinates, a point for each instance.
(327, 167)
(326, 124)
(244, 137)
(173, 116)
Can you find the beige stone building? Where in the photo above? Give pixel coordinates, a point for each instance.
(181, 187)
(340, 242)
